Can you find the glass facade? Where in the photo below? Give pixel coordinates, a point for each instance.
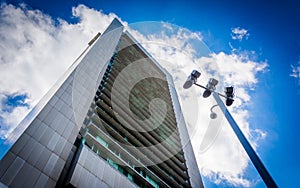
(106, 135)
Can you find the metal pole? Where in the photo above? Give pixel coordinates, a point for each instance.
(246, 145)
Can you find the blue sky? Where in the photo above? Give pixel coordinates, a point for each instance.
(273, 37)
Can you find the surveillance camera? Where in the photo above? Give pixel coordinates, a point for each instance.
(191, 79)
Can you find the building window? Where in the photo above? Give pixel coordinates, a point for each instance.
(101, 141)
(152, 181)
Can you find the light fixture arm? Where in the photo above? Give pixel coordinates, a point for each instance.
(211, 109)
(222, 95)
(213, 115)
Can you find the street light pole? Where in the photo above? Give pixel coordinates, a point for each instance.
(209, 89)
(246, 145)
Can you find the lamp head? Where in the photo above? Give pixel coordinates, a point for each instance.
(213, 115)
(191, 79)
(210, 87)
(229, 92)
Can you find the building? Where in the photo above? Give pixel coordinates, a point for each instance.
(113, 120)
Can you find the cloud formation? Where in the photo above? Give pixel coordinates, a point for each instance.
(239, 33)
(168, 47)
(37, 49)
(296, 72)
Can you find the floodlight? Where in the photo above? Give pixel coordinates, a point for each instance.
(191, 79)
(213, 115)
(229, 91)
(210, 87)
(188, 83)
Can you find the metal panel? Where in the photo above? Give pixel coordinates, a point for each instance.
(76, 175)
(92, 181)
(12, 171)
(109, 175)
(65, 152)
(33, 126)
(27, 149)
(53, 141)
(60, 145)
(83, 180)
(41, 182)
(59, 104)
(50, 183)
(43, 159)
(51, 116)
(39, 131)
(56, 122)
(6, 162)
(45, 111)
(26, 177)
(50, 164)
(35, 154)
(45, 138)
(20, 143)
(57, 169)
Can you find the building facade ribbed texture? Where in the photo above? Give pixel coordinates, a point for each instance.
(113, 120)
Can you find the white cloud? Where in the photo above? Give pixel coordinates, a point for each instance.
(239, 33)
(36, 50)
(296, 72)
(236, 69)
(12, 118)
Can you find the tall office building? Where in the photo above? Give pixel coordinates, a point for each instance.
(114, 120)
